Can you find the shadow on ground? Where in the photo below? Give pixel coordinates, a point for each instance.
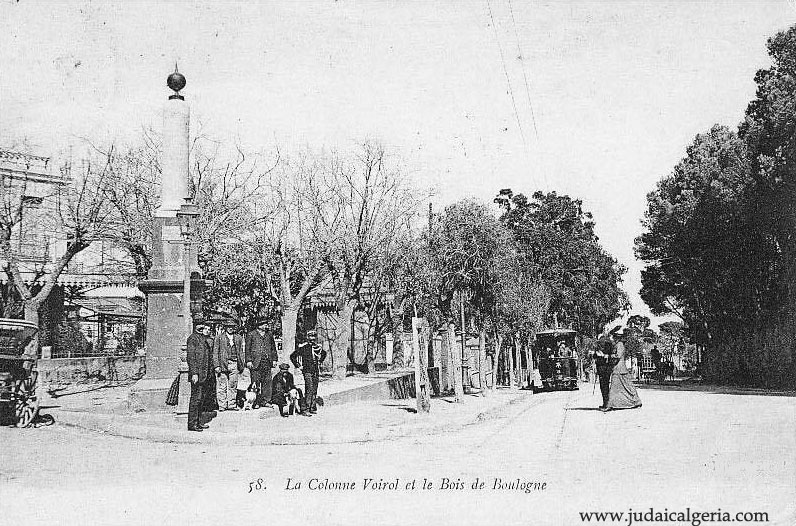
(716, 389)
(69, 391)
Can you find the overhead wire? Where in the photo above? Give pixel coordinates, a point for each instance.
(508, 81)
(539, 150)
(505, 71)
(524, 74)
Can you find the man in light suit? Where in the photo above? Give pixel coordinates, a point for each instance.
(229, 355)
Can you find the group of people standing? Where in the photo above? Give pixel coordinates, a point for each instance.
(616, 384)
(231, 372)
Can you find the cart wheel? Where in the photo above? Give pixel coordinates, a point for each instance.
(26, 410)
(27, 406)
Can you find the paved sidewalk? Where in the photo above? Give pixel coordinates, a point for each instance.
(103, 409)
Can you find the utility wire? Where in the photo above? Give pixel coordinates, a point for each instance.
(524, 75)
(505, 71)
(541, 153)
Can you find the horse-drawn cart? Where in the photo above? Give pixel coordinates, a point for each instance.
(19, 404)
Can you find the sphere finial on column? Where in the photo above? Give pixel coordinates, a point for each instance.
(176, 81)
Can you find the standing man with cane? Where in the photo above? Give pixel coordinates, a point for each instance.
(602, 357)
(308, 357)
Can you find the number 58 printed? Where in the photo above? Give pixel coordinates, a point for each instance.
(256, 485)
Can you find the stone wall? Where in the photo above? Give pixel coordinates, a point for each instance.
(60, 371)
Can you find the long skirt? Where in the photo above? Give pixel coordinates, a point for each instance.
(622, 393)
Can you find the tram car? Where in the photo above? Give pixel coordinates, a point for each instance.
(555, 353)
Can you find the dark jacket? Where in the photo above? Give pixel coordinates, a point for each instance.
(309, 357)
(260, 350)
(280, 386)
(200, 361)
(604, 363)
(223, 352)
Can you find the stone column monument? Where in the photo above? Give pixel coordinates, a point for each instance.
(167, 327)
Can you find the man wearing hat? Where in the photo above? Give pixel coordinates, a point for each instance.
(286, 395)
(602, 358)
(308, 357)
(199, 365)
(260, 357)
(230, 359)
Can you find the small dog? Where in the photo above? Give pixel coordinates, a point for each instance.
(251, 397)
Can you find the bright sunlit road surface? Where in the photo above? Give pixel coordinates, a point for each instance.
(697, 449)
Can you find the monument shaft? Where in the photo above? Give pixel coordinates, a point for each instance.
(168, 321)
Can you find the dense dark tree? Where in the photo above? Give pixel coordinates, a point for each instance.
(719, 243)
(638, 324)
(705, 260)
(556, 239)
(769, 130)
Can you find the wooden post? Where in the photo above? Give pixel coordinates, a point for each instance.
(422, 391)
(498, 342)
(465, 368)
(481, 361)
(458, 390)
(518, 355)
(510, 355)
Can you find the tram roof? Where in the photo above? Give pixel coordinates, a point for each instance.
(557, 331)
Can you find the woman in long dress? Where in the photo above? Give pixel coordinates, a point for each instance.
(622, 393)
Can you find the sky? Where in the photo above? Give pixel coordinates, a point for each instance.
(597, 100)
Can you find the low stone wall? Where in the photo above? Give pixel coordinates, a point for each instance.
(398, 386)
(85, 370)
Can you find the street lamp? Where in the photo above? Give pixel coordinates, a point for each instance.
(187, 217)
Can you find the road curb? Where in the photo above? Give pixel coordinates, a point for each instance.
(116, 425)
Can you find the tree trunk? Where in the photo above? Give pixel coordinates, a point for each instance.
(458, 390)
(464, 345)
(32, 315)
(289, 321)
(397, 316)
(342, 342)
(422, 392)
(528, 360)
(370, 359)
(481, 361)
(398, 355)
(511, 364)
(518, 359)
(498, 344)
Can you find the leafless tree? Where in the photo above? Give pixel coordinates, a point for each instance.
(287, 246)
(74, 212)
(519, 313)
(371, 206)
(226, 183)
(230, 186)
(134, 178)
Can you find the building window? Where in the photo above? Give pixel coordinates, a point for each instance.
(33, 243)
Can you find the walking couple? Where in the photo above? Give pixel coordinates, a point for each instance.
(616, 384)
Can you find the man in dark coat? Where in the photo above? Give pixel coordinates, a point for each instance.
(656, 357)
(308, 357)
(602, 358)
(260, 357)
(285, 395)
(229, 359)
(199, 367)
